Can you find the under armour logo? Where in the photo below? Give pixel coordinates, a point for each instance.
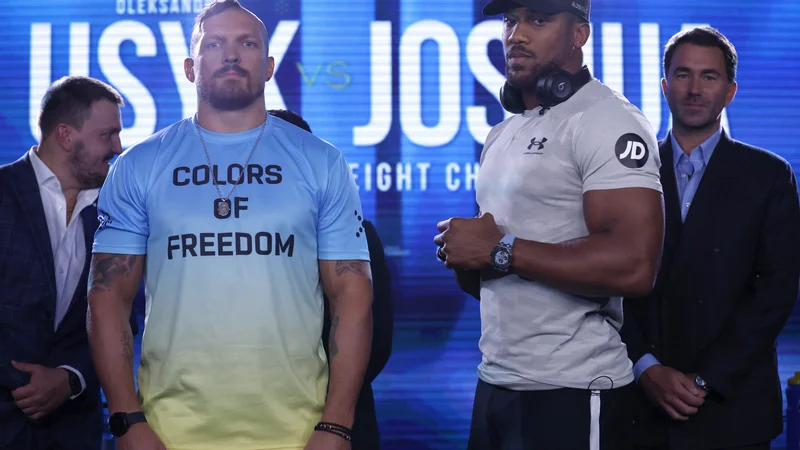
(538, 144)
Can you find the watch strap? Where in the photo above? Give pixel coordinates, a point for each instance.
(136, 417)
(508, 240)
(120, 422)
(74, 383)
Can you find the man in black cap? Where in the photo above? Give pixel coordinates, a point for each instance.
(579, 8)
(571, 220)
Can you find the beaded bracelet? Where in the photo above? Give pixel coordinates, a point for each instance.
(339, 430)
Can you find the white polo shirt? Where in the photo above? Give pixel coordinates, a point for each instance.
(534, 172)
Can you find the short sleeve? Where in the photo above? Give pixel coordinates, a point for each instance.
(340, 234)
(615, 147)
(124, 226)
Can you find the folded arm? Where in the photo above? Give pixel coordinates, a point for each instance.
(620, 256)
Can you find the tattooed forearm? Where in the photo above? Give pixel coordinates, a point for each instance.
(334, 325)
(107, 268)
(127, 346)
(356, 267)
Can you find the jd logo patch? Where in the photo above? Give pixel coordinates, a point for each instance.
(632, 151)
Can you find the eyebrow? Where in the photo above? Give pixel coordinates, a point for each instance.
(241, 37)
(704, 71)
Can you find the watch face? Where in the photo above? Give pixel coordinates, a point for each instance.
(501, 258)
(118, 424)
(700, 382)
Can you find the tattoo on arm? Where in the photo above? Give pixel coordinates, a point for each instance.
(334, 324)
(127, 346)
(356, 267)
(359, 268)
(106, 269)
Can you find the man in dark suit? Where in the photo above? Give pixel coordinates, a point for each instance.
(703, 343)
(366, 435)
(49, 393)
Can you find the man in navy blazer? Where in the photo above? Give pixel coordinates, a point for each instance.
(49, 393)
(703, 342)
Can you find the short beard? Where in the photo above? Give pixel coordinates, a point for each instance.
(527, 83)
(80, 170)
(228, 101)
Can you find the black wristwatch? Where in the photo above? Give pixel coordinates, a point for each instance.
(75, 386)
(700, 382)
(120, 422)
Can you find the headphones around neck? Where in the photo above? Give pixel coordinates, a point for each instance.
(552, 88)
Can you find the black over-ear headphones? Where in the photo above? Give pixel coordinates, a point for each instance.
(552, 88)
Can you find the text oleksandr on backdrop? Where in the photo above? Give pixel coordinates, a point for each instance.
(407, 89)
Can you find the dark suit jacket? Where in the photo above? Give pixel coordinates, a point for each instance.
(726, 286)
(365, 428)
(27, 307)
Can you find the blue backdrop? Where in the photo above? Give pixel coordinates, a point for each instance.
(407, 89)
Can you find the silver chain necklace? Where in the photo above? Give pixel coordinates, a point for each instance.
(222, 205)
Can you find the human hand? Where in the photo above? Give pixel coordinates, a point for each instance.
(47, 390)
(672, 390)
(467, 243)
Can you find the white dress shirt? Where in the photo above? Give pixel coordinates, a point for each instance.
(66, 240)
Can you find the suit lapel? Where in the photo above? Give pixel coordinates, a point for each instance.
(721, 168)
(672, 207)
(26, 188)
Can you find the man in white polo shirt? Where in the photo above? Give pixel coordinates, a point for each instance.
(571, 219)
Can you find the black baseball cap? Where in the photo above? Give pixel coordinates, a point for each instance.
(580, 8)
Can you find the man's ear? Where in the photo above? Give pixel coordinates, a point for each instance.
(188, 69)
(270, 67)
(65, 135)
(581, 34)
(734, 86)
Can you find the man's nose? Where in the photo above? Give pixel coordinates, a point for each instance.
(695, 86)
(232, 57)
(116, 146)
(517, 35)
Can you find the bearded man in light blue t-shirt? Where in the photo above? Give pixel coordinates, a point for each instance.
(238, 221)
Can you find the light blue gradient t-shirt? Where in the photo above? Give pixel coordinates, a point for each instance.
(232, 354)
